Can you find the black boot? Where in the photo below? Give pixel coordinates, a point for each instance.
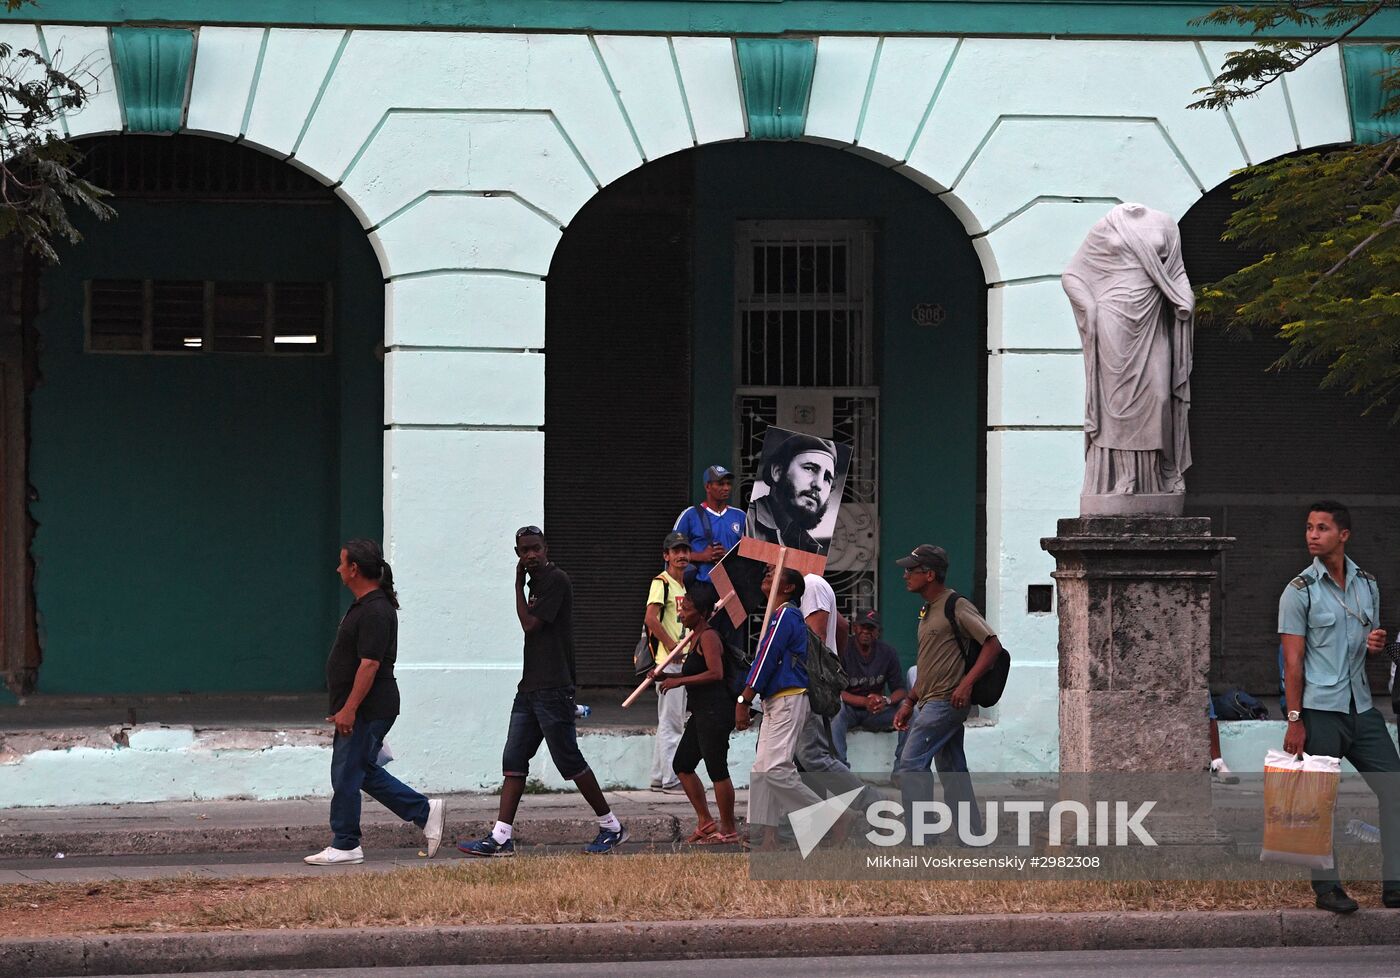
(1336, 900)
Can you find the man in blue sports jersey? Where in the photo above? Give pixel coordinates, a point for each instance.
(713, 526)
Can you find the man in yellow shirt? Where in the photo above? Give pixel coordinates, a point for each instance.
(664, 626)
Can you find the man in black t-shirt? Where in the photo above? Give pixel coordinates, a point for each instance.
(364, 705)
(543, 710)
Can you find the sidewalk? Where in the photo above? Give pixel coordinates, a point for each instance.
(297, 827)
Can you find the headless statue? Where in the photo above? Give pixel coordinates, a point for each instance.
(1134, 308)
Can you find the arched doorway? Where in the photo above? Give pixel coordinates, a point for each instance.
(205, 424)
(716, 291)
(1265, 443)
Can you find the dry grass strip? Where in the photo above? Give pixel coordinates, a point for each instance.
(580, 889)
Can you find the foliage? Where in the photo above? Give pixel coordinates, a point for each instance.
(1327, 223)
(37, 178)
(1246, 72)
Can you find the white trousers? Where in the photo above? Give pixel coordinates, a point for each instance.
(775, 788)
(670, 724)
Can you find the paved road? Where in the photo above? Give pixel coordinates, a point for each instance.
(85, 869)
(1336, 962)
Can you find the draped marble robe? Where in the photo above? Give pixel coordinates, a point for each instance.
(1134, 308)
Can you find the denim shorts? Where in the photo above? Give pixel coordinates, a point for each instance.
(543, 716)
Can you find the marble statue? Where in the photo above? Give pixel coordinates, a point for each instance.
(1134, 307)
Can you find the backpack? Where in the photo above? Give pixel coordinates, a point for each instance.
(988, 689)
(644, 653)
(736, 667)
(826, 680)
(1236, 704)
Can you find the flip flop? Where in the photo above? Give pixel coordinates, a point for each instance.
(720, 839)
(702, 832)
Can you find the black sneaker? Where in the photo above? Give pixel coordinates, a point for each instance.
(1336, 900)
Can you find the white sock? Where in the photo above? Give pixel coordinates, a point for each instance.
(609, 822)
(1218, 765)
(501, 833)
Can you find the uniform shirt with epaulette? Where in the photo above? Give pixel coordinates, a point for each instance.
(1334, 623)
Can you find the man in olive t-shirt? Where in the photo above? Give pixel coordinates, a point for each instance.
(943, 690)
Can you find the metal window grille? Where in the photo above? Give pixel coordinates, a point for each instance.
(191, 317)
(803, 299)
(803, 308)
(182, 167)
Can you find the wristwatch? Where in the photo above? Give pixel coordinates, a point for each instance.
(742, 701)
(1294, 716)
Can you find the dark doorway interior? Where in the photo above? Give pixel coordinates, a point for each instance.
(618, 403)
(1265, 444)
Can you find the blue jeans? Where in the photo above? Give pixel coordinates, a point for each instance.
(935, 741)
(354, 767)
(857, 718)
(543, 716)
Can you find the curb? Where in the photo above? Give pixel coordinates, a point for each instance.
(658, 828)
(59, 957)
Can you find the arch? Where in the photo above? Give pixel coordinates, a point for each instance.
(206, 399)
(648, 357)
(381, 117)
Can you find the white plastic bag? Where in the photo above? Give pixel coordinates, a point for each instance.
(1299, 799)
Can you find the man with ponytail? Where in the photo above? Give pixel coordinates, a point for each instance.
(364, 704)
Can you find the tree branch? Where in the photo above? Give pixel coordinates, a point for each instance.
(1273, 75)
(1394, 221)
(1385, 164)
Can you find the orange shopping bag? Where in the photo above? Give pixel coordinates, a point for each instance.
(1299, 798)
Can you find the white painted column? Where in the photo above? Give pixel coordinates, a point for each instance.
(464, 467)
(467, 157)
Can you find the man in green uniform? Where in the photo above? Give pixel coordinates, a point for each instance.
(1327, 621)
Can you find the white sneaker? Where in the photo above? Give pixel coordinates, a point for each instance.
(331, 856)
(1219, 772)
(432, 831)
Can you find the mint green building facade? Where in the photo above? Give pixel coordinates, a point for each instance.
(970, 144)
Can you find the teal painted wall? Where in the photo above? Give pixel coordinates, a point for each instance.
(931, 443)
(1060, 18)
(189, 507)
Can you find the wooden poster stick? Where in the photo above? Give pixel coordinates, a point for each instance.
(675, 651)
(773, 592)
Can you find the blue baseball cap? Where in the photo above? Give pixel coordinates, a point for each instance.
(715, 473)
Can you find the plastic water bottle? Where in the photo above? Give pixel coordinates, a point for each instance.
(582, 711)
(1363, 831)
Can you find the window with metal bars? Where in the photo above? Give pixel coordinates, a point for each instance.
(803, 297)
(190, 317)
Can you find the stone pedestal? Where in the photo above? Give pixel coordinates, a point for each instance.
(1135, 611)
